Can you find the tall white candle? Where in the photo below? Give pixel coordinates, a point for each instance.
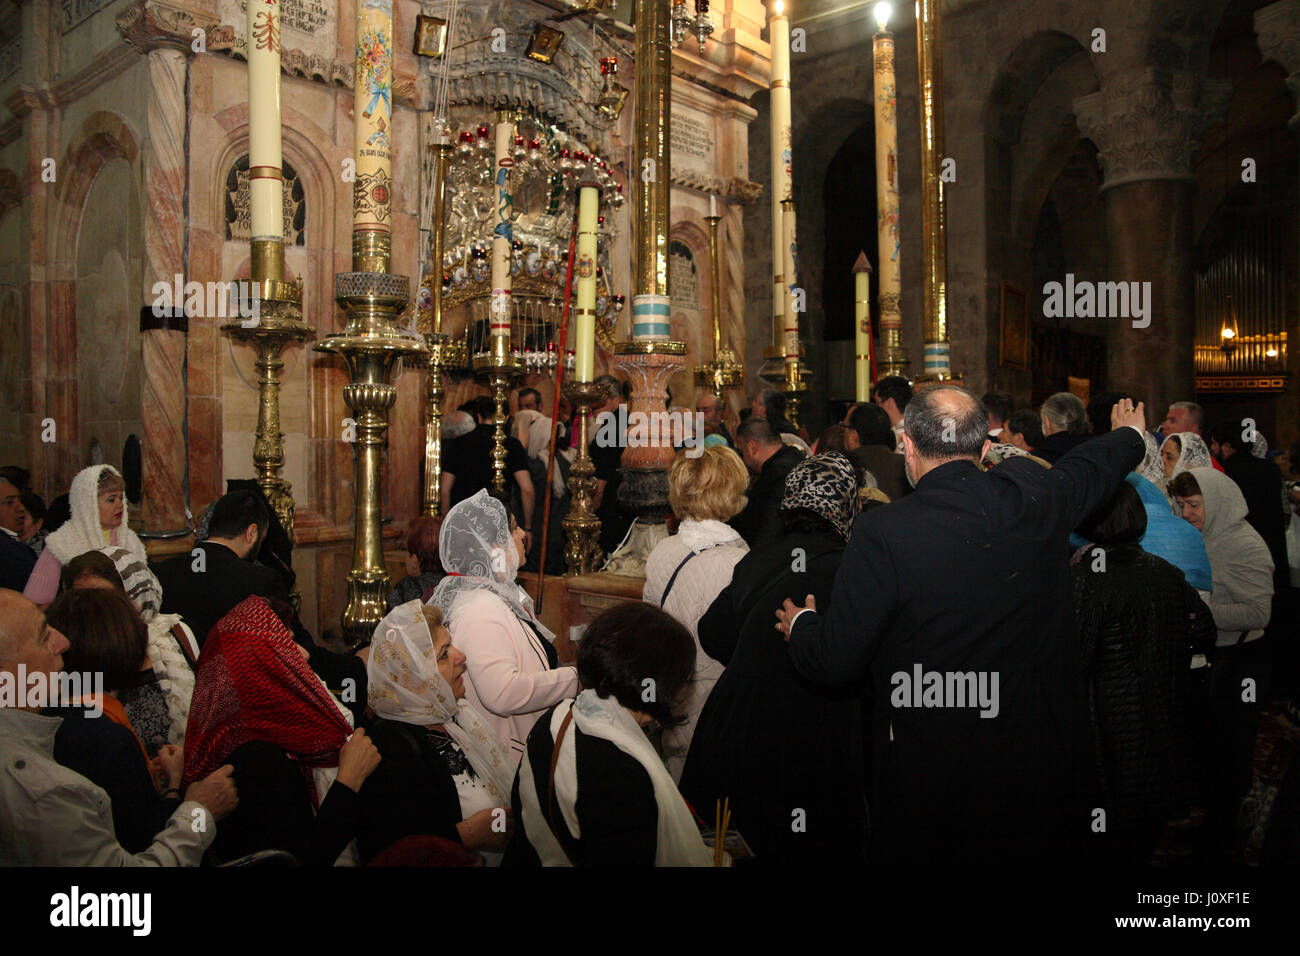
(265, 183)
(585, 270)
(501, 232)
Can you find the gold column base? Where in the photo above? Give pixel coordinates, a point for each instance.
(371, 344)
(582, 552)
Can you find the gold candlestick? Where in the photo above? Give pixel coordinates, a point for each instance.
(371, 342)
(277, 305)
(582, 551)
(440, 347)
(725, 371)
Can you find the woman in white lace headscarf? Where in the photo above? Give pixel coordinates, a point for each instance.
(513, 669)
(99, 517)
(434, 742)
(1184, 451)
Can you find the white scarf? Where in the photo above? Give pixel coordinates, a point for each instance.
(478, 553)
(405, 685)
(678, 841)
(175, 676)
(82, 532)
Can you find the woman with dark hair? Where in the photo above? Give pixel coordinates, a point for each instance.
(298, 763)
(422, 552)
(591, 791)
(1140, 624)
(158, 702)
(786, 752)
(108, 637)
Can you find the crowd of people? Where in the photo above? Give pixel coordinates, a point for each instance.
(946, 631)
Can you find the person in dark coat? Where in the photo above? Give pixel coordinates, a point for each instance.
(980, 730)
(1140, 623)
(1065, 426)
(876, 452)
(204, 591)
(769, 740)
(771, 459)
(16, 559)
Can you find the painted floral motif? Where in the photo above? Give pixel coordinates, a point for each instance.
(374, 59)
(888, 100)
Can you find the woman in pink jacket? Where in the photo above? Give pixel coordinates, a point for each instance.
(513, 670)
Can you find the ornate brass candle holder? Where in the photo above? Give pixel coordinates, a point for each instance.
(370, 344)
(445, 355)
(276, 322)
(500, 368)
(582, 551)
(725, 371)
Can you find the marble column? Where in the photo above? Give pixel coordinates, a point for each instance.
(1278, 28)
(1147, 127)
(163, 35)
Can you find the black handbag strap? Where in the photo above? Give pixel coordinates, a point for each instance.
(663, 598)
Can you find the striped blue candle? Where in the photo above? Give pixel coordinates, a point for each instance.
(650, 318)
(936, 358)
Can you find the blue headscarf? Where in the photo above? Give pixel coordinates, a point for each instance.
(1168, 536)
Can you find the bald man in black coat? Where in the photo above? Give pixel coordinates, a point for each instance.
(956, 602)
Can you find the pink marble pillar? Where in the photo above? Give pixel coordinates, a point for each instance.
(165, 39)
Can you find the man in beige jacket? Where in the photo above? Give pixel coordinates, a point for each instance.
(49, 815)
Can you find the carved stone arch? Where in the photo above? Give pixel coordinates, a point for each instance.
(102, 137)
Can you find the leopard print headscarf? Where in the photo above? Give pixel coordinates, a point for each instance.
(827, 485)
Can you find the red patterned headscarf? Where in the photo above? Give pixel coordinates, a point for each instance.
(252, 684)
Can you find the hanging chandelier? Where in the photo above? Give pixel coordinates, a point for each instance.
(548, 164)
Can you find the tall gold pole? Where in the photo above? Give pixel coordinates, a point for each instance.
(371, 342)
(650, 357)
(893, 357)
(782, 159)
(276, 305)
(934, 240)
(651, 178)
(437, 342)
